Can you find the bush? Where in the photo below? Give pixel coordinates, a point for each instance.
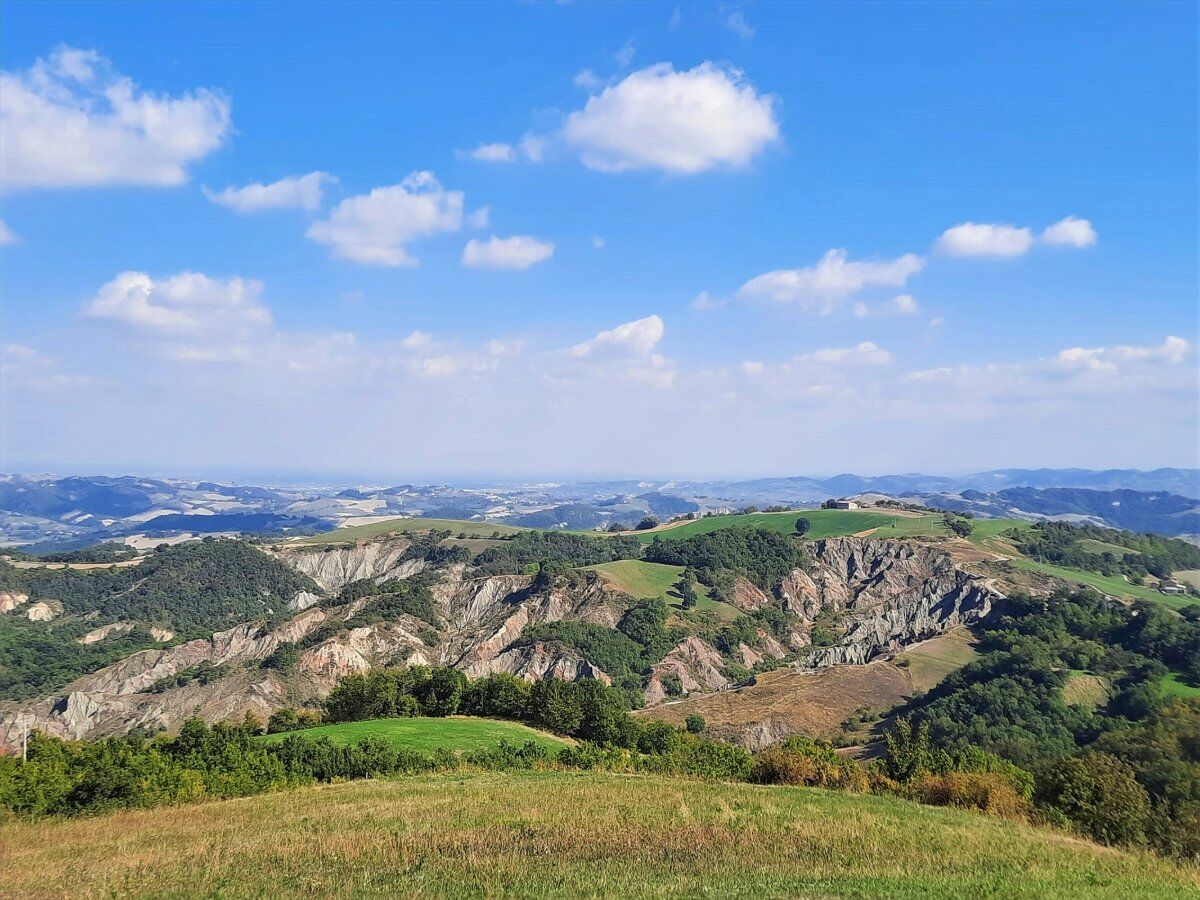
(695, 724)
(800, 761)
(985, 792)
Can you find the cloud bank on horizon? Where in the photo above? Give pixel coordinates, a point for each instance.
(750, 307)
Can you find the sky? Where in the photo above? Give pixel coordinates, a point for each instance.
(543, 240)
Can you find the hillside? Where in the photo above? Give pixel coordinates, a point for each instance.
(457, 733)
(542, 833)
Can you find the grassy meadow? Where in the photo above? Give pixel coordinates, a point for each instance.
(462, 733)
(825, 523)
(405, 526)
(655, 581)
(566, 834)
(1173, 687)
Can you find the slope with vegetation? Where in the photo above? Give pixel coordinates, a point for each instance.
(578, 834)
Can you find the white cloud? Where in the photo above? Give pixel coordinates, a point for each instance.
(901, 305)
(187, 304)
(7, 235)
(678, 122)
(29, 369)
(294, 192)
(598, 242)
(496, 152)
(417, 339)
(640, 337)
(375, 228)
(72, 120)
(480, 218)
(830, 280)
(1070, 232)
(866, 353)
(981, 239)
(738, 25)
(518, 252)
(1172, 351)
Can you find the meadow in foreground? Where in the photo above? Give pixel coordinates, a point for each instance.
(554, 833)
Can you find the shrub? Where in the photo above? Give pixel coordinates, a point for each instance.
(800, 761)
(986, 792)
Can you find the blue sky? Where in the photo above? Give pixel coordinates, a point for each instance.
(584, 239)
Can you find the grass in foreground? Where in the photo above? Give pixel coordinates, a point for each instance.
(565, 834)
(428, 734)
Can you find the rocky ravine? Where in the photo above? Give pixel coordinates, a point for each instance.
(883, 595)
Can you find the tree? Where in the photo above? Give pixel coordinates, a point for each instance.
(687, 588)
(1098, 793)
(647, 523)
(803, 526)
(695, 724)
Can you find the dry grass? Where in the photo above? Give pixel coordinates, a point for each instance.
(560, 834)
(817, 703)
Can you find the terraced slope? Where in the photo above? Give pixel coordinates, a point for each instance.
(561, 834)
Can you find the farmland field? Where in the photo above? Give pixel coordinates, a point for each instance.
(426, 734)
(406, 526)
(565, 834)
(654, 581)
(825, 523)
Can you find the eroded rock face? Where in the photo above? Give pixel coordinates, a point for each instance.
(98, 634)
(696, 663)
(884, 595)
(9, 600)
(536, 661)
(43, 610)
(335, 567)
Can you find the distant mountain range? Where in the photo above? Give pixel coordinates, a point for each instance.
(48, 511)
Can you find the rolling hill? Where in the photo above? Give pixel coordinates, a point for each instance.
(553, 833)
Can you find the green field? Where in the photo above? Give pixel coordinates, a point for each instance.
(654, 581)
(406, 526)
(825, 523)
(1102, 547)
(1173, 687)
(426, 734)
(541, 834)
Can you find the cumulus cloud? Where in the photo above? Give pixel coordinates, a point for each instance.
(677, 122)
(1172, 351)
(295, 192)
(900, 305)
(1070, 232)
(866, 353)
(189, 304)
(495, 152)
(833, 278)
(72, 120)
(7, 235)
(982, 239)
(520, 252)
(990, 239)
(376, 228)
(640, 336)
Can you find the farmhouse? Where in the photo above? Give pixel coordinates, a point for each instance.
(1168, 586)
(840, 504)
